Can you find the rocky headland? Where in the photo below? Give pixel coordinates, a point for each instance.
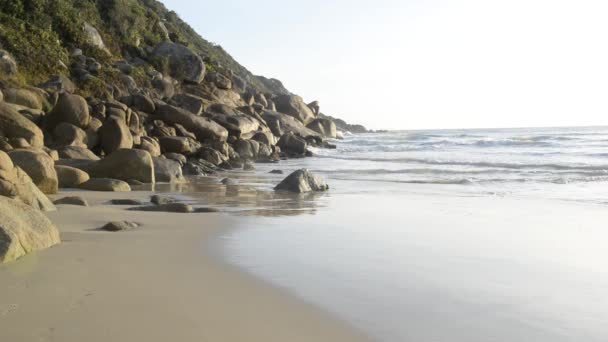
(106, 95)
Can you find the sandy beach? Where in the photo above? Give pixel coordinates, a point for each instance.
(156, 283)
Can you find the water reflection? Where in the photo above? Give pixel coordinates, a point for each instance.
(251, 196)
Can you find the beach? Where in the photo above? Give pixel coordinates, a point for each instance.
(156, 283)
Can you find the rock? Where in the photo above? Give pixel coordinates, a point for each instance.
(151, 145)
(93, 37)
(302, 181)
(324, 127)
(70, 108)
(168, 207)
(246, 149)
(70, 177)
(23, 97)
(248, 166)
(125, 165)
(8, 66)
(168, 171)
(142, 103)
(219, 80)
(159, 200)
(191, 103)
(229, 181)
(59, 83)
(119, 226)
(115, 135)
(105, 184)
(15, 125)
(204, 210)
(72, 200)
(212, 156)
(16, 184)
(126, 202)
(203, 128)
(180, 158)
(39, 166)
(77, 152)
(294, 106)
(23, 230)
(164, 88)
(19, 143)
(280, 124)
(34, 115)
(314, 106)
(68, 134)
(292, 144)
(277, 172)
(181, 62)
(238, 125)
(175, 145)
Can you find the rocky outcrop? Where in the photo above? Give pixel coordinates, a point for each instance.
(203, 128)
(23, 230)
(125, 165)
(39, 166)
(179, 61)
(302, 181)
(15, 125)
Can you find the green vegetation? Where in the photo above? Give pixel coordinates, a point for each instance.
(41, 33)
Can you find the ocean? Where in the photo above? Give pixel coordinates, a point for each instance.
(439, 235)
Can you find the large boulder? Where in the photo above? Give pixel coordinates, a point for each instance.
(70, 177)
(115, 135)
(191, 103)
(15, 183)
(70, 108)
(23, 97)
(23, 230)
(15, 125)
(302, 181)
(238, 125)
(175, 145)
(151, 145)
(292, 144)
(325, 127)
(93, 37)
(168, 171)
(125, 165)
(203, 128)
(39, 166)
(68, 134)
(294, 106)
(8, 66)
(280, 123)
(179, 61)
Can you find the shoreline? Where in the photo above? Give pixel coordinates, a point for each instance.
(154, 283)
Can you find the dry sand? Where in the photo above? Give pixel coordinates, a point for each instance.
(156, 283)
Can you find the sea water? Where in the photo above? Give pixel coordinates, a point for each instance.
(459, 235)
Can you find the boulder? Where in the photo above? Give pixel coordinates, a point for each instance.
(213, 156)
(93, 37)
(72, 200)
(247, 149)
(115, 135)
(70, 108)
(125, 165)
(294, 106)
(180, 158)
(39, 166)
(119, 226)
(151, 145)
(219, 80)
(70, 177)
(302, 181)
(324, 127)
(280, 124)
(15, 183)
(168, 171)
(314, 106)
(203, 128)
(248, 166)
(164, 88)
(105, 184)
(59, 83)
(23, 97)
(182, 208)
(292, 144)
(15, 125)
(191, 103)
(23, 230)
(77, 152)
(238, 125)
(126, 202)
(175, 145)
(68, 134)
(159, 200)
(179, 61)
(8, 66)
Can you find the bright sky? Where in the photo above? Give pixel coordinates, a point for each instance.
(412, 64)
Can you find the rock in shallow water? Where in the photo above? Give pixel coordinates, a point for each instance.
(302, 181)
(168, 207)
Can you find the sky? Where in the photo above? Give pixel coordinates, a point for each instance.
(414, 64)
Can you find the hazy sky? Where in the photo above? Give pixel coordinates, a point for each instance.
(424, 64)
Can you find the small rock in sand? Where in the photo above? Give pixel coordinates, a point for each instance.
(72, 200)
(119, 226)
(160, 200)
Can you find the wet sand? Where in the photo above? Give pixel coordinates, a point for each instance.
(156, 283)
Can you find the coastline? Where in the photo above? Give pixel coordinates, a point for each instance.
(155, 283)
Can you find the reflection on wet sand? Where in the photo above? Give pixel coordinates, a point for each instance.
(252, 195)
